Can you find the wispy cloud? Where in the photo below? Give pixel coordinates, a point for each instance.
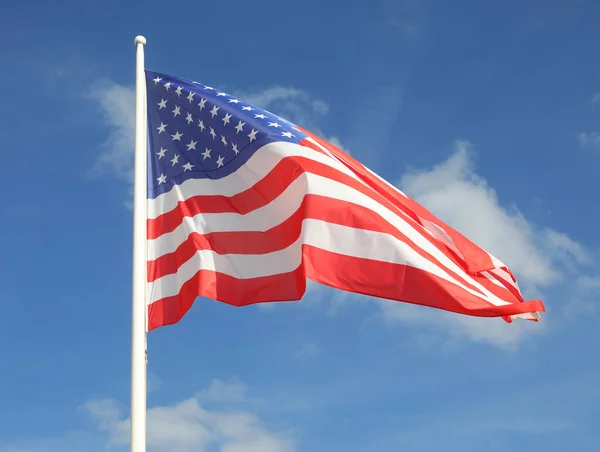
(116, 104)
(454, 192)
(308, 350)
(292, 104)
(224, 392)
(584, 298)
(589, 140)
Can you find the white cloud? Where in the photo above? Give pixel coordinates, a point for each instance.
(154, 383)
(296, 106)
(117, 106)
(189, 427)
(308, 350)
(457, 195)
(566, 249)
(596, 98)
(584, 297)
(292, 104)
(186, 426)
(539, 257)
(221, 392)
(589, 140)
(337, 143)
(589, 283)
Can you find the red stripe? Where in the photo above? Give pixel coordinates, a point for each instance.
(225, 288)
(393, 281)
(512, 289)
(476, 258)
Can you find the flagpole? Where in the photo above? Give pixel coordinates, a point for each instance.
(138, 320)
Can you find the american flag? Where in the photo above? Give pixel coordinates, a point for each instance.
(244, 206)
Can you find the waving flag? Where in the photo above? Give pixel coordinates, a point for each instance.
(244, 206)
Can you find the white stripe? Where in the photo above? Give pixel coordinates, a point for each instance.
(377, 176)
(393, 187)
(500, 271)
(527, 316)
(256, 168)
(493, 280)
(283, 207)
(331, 237)
(501, 274)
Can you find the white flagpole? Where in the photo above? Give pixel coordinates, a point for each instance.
(138, 321)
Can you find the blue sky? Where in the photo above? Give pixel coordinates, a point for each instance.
(486, 112)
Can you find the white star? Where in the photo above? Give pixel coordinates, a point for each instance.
(201, 104)
(162, 104)
(175, 159)
(176, 111)
(208, 87)
(201, 125)
(192, 145)
(234, 101)
(213, 112)
(161, 128)
(240, 127)
(161, 153)
(252, 135)
(177, 136)
(178, 91)
(221, 94)
(188, 167)
(190, 97)
(162, 179)
(226, 119)
(212, 132)
(206, 153)
(167, 85)
(156, 80)
(287, 134)
(261, 116)
(189, 118)
(274, 124)
(223, 140)
(220, 162)
(247, 108)
(235, 149)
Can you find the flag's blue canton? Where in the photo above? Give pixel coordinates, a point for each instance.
(197, 131)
